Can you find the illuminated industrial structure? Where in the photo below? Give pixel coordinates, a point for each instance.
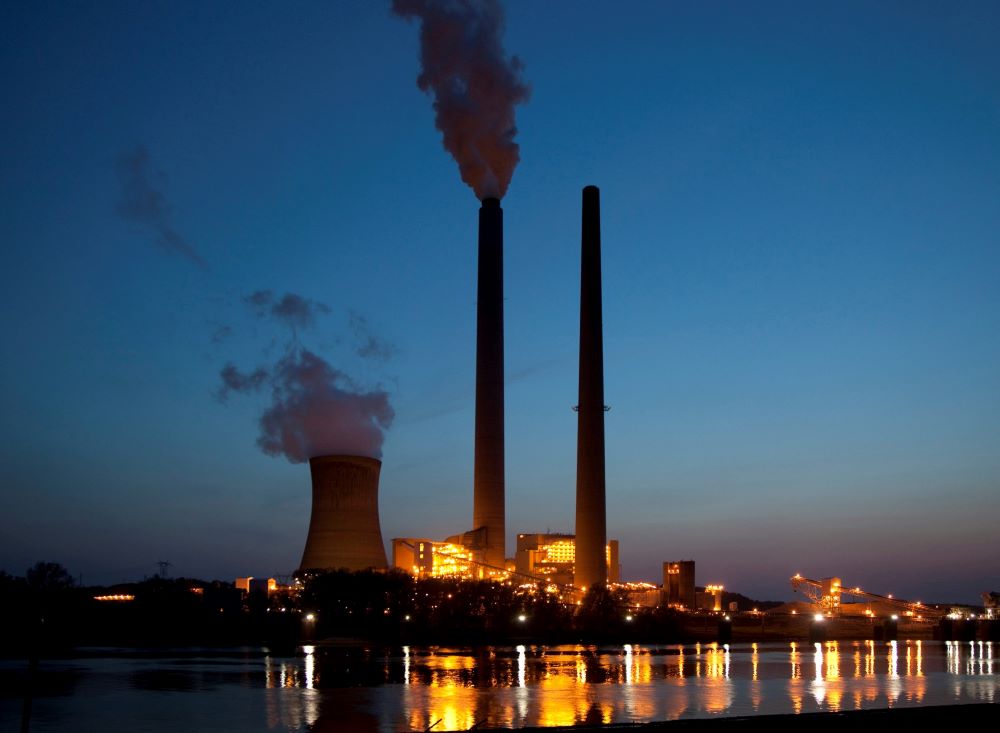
(553, 557)
(991, 602)
(640, 594)
(711, 598)
(429, 559)
(548, 557)
(826, 595)
(678, 584)
(344, 530)
(250, 584)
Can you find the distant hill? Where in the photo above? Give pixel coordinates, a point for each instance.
(747, 604)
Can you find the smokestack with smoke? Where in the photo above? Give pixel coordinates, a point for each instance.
(474, 85)
(488, 507)
(475, 89)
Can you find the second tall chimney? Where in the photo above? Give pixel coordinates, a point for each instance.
(488, 500)
(591, 518)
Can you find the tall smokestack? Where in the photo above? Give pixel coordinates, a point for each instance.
(591, 518)
(344, 530)
(488, 502)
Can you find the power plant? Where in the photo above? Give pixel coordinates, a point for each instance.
(344, 529)
(586, 558)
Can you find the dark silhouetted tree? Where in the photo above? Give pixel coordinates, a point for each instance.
(48, 576)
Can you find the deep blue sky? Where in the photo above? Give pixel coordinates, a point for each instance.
(801, 211)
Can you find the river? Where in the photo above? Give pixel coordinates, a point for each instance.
(320, 689)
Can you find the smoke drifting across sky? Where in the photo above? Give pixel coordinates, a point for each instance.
(315, 409)
(144, 203)
(293, 310)
(474, 85)
(366, 344)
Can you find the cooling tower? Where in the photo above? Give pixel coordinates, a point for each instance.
(591, 523)
(488, 481)
(344, 530)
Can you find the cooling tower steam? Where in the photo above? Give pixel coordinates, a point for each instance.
(292, 310)
(315, 409)
(474, 85)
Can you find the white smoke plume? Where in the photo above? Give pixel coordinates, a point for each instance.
(474, 85)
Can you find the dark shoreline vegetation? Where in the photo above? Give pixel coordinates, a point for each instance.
(46, 612)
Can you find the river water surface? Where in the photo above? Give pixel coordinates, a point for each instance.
(412, 688)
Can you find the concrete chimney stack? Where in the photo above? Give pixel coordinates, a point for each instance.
(488, 500)
(591, 516)
(344, 530)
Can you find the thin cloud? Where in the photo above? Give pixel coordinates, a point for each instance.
(142, 202)
(221, 334)
(293, 310)
(233, 380)
(366, 344)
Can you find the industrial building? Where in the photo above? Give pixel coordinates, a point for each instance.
(344, 530)
(678, 584)
(549, 557)
(553, 557)
(709, 599)
(426, 558)
(679, 590)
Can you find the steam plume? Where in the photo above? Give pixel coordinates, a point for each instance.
(475, 87)
(366, 344)
(233, 380)
(142, 202)
(293, 310)
(221, 333)
(315, 409)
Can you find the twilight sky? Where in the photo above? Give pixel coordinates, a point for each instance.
(801, 220)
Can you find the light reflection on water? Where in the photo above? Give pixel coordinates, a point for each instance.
(413, 688)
